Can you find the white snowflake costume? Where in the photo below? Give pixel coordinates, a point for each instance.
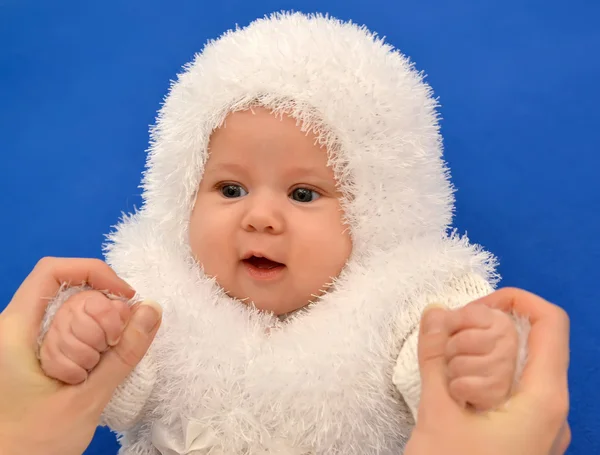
(340, 376)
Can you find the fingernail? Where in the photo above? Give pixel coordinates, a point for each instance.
(131, 290)
(114, 342)
(434, 318)
(432, 306)
(147, 315)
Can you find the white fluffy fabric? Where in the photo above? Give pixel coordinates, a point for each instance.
(232, 380)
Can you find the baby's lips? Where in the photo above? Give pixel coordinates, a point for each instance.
(255, 257)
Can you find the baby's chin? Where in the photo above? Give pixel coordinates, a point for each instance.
(277, 307)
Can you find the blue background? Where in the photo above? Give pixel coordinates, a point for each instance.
(80, 83)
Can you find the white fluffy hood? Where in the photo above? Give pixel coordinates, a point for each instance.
(377, 117)
(367, 101)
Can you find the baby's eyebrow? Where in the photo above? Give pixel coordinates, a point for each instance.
(225, 166)
(311, 171)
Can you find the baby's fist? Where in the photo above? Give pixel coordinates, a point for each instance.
(481, 356)
(84, 327)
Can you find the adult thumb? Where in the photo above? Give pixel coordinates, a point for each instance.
(433, 337)
(119, 361)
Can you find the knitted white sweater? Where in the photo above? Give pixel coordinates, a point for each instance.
(341, 376)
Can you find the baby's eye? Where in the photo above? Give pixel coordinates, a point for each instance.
(233, 191)
(304, 195)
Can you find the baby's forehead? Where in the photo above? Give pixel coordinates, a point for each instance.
(287, 167)
(257, 138)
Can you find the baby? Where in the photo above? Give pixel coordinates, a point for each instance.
(294, 226)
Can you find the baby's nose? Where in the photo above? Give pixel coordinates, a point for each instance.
(264, 216)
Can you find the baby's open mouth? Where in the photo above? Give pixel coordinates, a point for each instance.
(262, 263)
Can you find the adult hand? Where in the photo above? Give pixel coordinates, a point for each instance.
(39, 415)
(534, 420)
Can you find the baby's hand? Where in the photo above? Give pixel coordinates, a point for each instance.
(481, 356)
(84, 327)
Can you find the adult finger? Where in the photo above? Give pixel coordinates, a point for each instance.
(433, 337)
(29, 303)
(562, 441)
(121, 359)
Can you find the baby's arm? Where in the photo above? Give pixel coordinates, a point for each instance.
(80, 324)
(460, 292)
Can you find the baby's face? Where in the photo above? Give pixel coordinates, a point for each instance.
(267, 221)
